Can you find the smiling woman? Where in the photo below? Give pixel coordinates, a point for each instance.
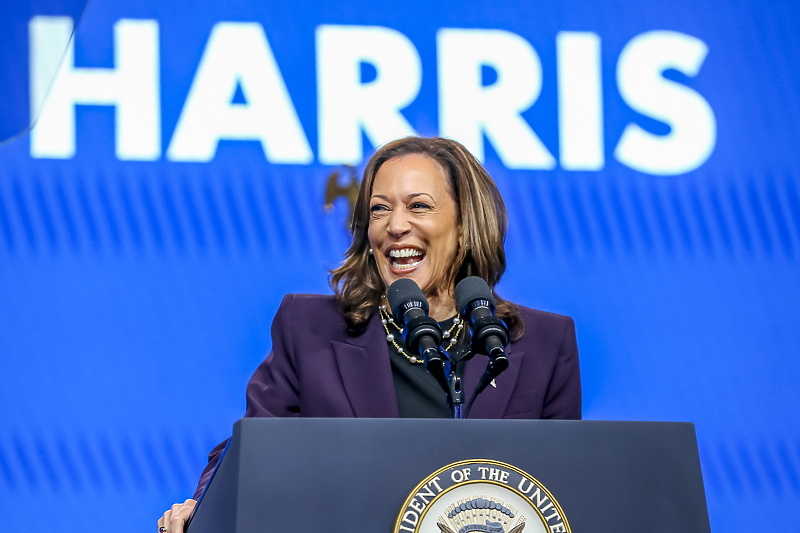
(430, 199)
(427, 210)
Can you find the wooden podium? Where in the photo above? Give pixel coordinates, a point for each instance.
(354, 475)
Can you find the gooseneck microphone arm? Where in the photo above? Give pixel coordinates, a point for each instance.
(475, 302)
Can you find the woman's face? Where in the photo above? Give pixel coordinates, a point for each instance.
(413, 227)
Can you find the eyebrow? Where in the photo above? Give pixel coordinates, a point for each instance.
(409, 197)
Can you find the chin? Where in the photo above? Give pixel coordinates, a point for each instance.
(421, 281)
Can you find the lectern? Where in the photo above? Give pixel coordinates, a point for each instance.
(383, 475)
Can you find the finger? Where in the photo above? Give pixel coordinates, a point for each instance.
(187, 508)
(183, 510)
(176, 516)
(173, 522)
(177, 524)
(163, 522)
(180, 514)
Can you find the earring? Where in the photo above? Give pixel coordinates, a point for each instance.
(370, 251)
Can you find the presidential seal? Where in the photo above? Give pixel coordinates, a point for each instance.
(480, 495)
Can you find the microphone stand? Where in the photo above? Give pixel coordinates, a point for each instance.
(456, 397)
(455, 374)
(453, 367)
(449, 373)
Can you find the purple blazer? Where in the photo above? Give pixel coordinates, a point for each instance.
(316, 369)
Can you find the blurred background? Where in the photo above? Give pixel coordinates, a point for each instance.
(174, 185)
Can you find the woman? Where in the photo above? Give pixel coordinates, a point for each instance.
(427, 210)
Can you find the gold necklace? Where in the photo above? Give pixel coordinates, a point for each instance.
(387, 320)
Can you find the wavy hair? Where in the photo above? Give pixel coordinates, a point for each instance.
(482, 218)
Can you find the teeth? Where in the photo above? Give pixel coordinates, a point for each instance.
(398, 266)
(405, 252)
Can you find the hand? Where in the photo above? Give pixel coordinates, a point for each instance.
(174, 520)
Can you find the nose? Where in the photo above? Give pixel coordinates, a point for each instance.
(398, 223)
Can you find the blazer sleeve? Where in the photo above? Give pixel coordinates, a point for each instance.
(563, 397)
(273, 389)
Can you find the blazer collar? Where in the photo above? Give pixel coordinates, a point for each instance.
(366, 373)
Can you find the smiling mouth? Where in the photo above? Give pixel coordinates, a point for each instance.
(405, 258)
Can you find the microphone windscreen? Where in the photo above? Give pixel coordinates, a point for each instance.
(470, 289)
(403, 291)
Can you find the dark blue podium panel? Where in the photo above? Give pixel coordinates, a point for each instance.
(345, 475)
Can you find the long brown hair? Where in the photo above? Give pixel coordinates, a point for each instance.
(483, 222)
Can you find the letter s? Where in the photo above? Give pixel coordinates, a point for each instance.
(693, 125)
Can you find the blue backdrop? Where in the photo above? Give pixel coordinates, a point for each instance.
(173, 191)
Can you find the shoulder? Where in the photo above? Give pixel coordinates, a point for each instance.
(312, 314)
(310, 300)
(537, 316)
(545, 325)
(310, 304)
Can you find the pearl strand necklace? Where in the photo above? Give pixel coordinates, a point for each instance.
(386, 320)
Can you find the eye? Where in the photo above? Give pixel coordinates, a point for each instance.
(375, 208)
(419, 206)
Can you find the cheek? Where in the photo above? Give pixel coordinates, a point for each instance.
(449, 239)
(371, 233)
(446, 248)
(374, 242)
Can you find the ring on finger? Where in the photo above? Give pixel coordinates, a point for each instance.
(162, 529)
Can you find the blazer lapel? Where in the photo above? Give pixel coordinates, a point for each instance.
(492, 402)
(366, 373)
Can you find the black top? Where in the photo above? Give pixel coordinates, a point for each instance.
(419, 395)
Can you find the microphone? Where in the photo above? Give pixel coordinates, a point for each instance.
(421, 333)
(475, 302)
